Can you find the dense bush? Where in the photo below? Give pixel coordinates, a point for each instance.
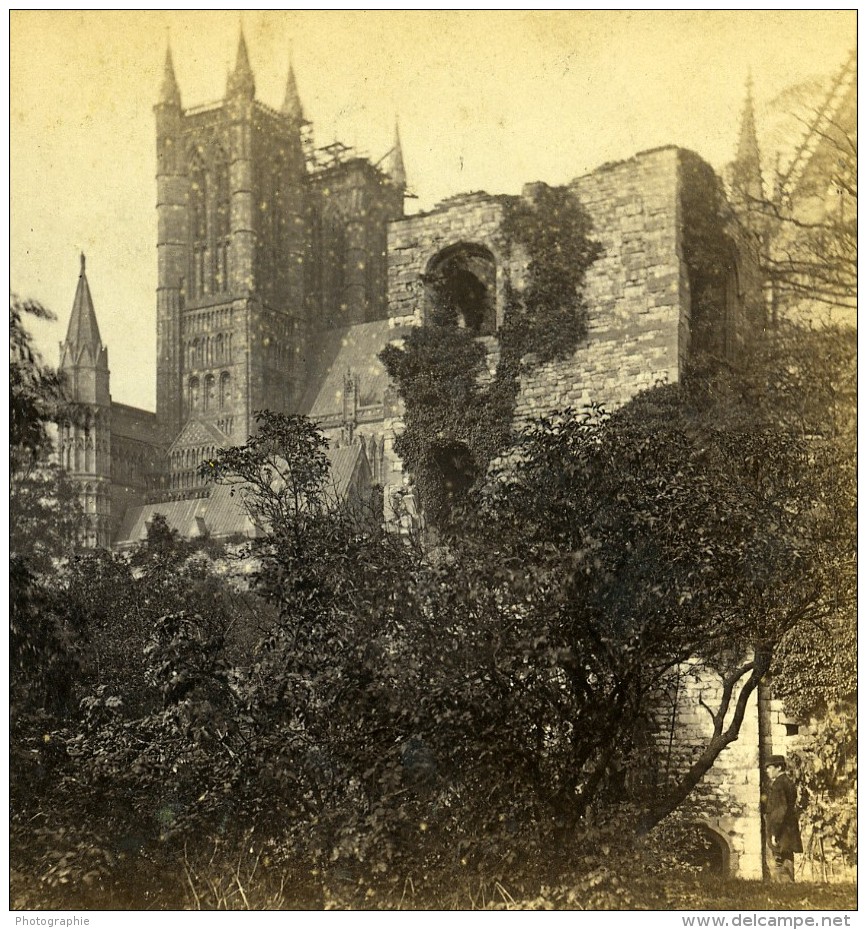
(377, 724)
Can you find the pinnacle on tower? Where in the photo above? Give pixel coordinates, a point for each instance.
(395, 168)
(83, 330)
(292, 101)
(747, 167)
(170, 94)
(241, 81)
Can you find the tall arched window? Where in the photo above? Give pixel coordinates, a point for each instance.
(199, 227)
(208, 396)
(334, 266)
(222, 222)
(193, 395)
(224, 389)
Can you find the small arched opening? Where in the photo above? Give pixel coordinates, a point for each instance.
(456, 471)
(708, 849)
(461, 286)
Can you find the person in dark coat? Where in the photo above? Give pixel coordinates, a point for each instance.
(781, 821)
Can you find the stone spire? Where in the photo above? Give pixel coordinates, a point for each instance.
(83, 357)
(394, 167)
(83, 330)
(292, 101)
(170, 94)
(241, 81)
(747, 167)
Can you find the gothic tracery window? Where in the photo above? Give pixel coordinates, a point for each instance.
(208, 395)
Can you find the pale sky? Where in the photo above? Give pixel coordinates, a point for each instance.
(486, 101)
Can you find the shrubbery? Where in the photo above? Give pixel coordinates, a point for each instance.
(375, 723)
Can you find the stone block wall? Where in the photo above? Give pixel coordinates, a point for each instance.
(414, 241)
(636, 291)
(727, 801)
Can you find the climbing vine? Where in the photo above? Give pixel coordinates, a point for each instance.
(458, 415)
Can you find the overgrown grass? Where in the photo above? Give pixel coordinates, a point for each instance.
(247, 885)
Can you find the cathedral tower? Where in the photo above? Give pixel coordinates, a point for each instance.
(233, 241)
(85, 425)
(263, 243)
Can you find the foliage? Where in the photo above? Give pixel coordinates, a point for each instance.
(44, 514)
(548, 317)
(396, 725)
(43, 654)
(43, 503)
(458, 416)
(34, 388)
(826, 771)
(43, 518)
(700, 522)
(279, 472)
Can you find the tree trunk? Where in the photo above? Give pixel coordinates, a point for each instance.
(722, 737)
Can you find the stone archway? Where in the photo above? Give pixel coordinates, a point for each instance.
(463, 278)
(712, 850)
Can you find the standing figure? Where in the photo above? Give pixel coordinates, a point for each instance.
(781, 821)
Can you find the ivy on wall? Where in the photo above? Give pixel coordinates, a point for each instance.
(458, 417)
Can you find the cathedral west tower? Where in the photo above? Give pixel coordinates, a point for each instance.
(233, 244)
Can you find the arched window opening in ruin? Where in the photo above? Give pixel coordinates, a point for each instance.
(462, 280)
(716, 304)
(456, 470)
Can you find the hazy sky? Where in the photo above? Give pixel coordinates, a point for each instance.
(485, 101)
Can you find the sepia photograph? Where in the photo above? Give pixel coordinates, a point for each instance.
(433, 462)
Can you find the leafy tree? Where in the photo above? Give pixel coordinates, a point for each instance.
(34, 388)
(703, 523)
(43, 503)
(43, 519)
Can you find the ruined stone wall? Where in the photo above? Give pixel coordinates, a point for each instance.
(638, 298)
(636, 292)
(472, 219)
(727, 801)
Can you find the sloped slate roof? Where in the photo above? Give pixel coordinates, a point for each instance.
(350, 348)
(222, 514)
(345, 463)
(219, 515)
